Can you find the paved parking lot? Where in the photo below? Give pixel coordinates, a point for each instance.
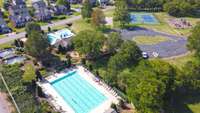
(173, 47)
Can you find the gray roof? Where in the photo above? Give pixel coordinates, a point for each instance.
(19, 13)
(38, 4)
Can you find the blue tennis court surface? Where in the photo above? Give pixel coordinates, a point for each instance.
(143, 18)
(79, 94)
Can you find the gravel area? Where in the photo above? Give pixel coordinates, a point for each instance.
(176, 45)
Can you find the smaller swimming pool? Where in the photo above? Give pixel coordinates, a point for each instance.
(143, 18)
(79, 94)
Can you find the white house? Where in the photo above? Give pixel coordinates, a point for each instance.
(60, 35)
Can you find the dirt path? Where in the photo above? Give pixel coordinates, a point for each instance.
(5, 106)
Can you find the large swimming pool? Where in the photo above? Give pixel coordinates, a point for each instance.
(80, 95)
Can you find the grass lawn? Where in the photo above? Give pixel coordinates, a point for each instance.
(149, 40)
(109, 13)
(81, 25)
(2, 36)
(1, 3)
(195, 108)
(75, 6)
(180, 61)
(6, 45)
(42, 23)
(15, 29)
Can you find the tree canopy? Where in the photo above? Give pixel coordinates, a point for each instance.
(32, 27)
(29, 73)
(86, 10)
(66, 3)
(176, 8)
(98, 18)
(194, 40)
(121, 13)
(89, 42)
(128, 55)
(113, 42)
(148, 85)
(36, 44)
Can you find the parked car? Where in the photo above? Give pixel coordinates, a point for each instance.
(145, 55)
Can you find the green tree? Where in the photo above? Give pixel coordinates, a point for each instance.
(180, 8)
(37, 45)
(16, 43)
(89, 42)
(86, 10)
(149, 85)
(32, 27)
(194, 40)
(121, 13)
(61, 49)
(128, 55)
(189, 78)
(6, 4)
(98, 18)
(66, 3)
(146, 93)
(29, 73)
(113, 42)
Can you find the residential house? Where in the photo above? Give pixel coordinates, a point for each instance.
(60, 36)
(18, 2)
(60, 10)
(19, 14)
(3, 26)
(100, 2)
(42, 13)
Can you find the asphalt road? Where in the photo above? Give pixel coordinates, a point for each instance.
(12, 36)
(176, 45)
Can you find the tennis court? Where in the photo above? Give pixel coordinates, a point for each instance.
(143, 18)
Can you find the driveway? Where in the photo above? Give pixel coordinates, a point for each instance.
(176, 45)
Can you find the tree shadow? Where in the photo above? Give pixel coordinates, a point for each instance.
(181, 102)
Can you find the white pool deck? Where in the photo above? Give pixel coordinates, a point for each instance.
(58, 102)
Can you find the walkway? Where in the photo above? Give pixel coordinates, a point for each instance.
(176, 45)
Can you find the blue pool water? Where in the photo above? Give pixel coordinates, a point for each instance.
(143, 18)
(80, 95)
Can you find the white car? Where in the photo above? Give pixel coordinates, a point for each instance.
(145, 55)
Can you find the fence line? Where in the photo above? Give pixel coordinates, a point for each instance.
(16, 106)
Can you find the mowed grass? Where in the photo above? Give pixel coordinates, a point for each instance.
(81, 25)
(6, 45)
(181, 61)
(109, 13)
(1, 3)
(149, 40)
(195, 108)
